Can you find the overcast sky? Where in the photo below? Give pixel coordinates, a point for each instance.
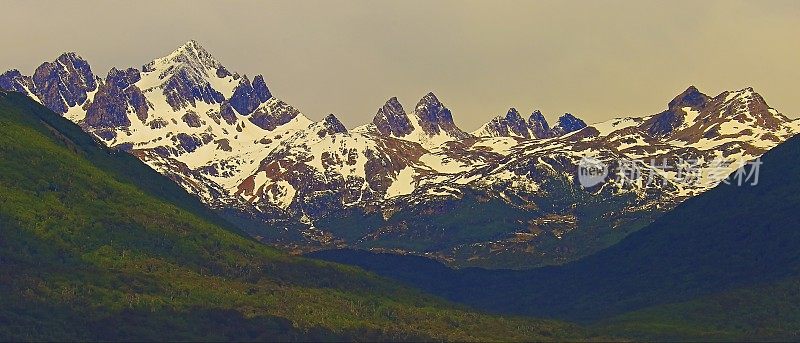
(595, 59)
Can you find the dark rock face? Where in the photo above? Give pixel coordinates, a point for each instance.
(566, 124)
(666, 122)
(158, 124)
(106, 134)
(434, 117)
(222, 72)
(538, 125)
(260, 88)
(691, 97)
(511, 124)
(64, 83)
(498, 127)
(331, 126)
(392, 120)
(247, 97)
(244, 99)
(114, 98)
(431, 114)
(516, 124)
(277, 114)
(192, 119)
(227, 113)
(14, 81)
(187, 142)
(223, 144)
(182, 91)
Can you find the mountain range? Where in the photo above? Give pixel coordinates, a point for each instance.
(723, 265)
(96, 246)
(410, 181)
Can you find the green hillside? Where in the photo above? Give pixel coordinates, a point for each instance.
(96, 246)
(764, 312)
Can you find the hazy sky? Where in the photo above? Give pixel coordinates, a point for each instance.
(597, 59)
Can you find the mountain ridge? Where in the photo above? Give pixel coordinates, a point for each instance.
(246, 153)
(730, 239)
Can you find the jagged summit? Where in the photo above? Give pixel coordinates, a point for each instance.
(747, 106)
(746, 95)
(436, 119)
(331, 126)
(392, 120)
(666, 122)
(64, 83)
(516, 123)
(228, 140)
(327, 127)
(14, 81)
(513, 114)
(190, 54)
(693, 116)
(538, 125)
(430, 124)
(537, 115)
(568, 123)
(247, 96)
(512, 125)
(186, 76)
(691, 97)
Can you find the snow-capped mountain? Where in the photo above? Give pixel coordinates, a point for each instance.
(505, 195)
(431, 123)
(512, 125)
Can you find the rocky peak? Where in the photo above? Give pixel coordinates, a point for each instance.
(261, 89)
(189, 55)
(434, 118)
(746, 97)
(516, 123)
(244, 99)
(274, 114)
(123, 78)
(184, 76)
(330, 126)
(116, 97)
(392, 120)
(64, 83)
(513, 125)
(691, 97)
(247, 96)
(515, 120)
(666, 122)
(14, 81)
(500, 126)
(538, 125)
(568, 123)
(746, 105)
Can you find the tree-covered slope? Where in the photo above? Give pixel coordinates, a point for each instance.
(95, 246)
(766, 312)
